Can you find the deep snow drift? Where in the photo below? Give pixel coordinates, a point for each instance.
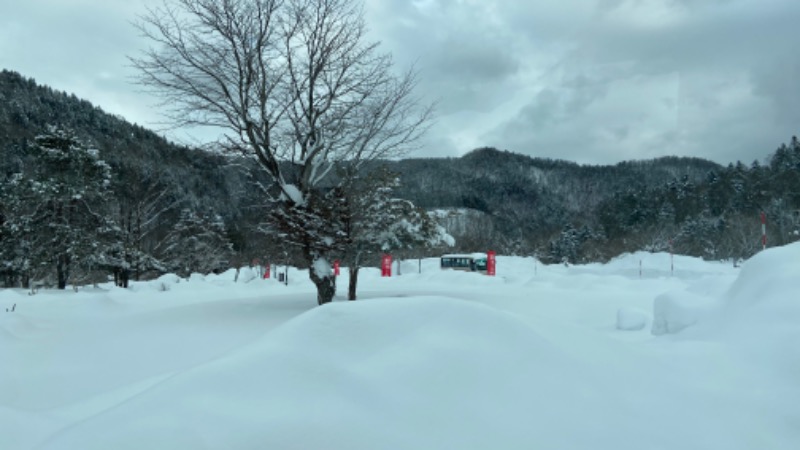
(627, 355)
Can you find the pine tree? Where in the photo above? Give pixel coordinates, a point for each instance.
(139, 210)
(377, 221)
(55, 209)
(197, 244)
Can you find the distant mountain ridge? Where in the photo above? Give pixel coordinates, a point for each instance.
(534, 195)
(507, 171)
(522, 204)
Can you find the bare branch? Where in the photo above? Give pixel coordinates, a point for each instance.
(294, 83)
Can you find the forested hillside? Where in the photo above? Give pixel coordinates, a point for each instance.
(140, 157)
(158, 190)
(530, 199)
(171, 203)
(562, 211)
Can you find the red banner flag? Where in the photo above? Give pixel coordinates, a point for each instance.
(386, 266)
(491, 262)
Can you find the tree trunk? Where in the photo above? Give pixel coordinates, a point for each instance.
(326, 286)
(321, 274)
(62, 271)
(125, 276)
(351, 290)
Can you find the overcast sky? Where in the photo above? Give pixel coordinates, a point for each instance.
(592, 81)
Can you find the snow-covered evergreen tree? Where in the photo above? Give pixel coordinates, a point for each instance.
(376, 221)
(55, 209)
(139, 214)
(197, 244)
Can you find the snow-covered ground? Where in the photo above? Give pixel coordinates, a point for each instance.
(538, 357)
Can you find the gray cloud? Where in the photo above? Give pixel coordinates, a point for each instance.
(79, 47)
(697, 79)
(466, 62)
(779, 83)
(595, 81)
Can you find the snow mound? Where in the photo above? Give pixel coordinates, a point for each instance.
(760, 312)
(675, 311)
(169, 278)
(631, 319)
(423, 372)
(247, 274)
(226, 276)
(163, 283)
(661, 265)
(761, 300)
(756, 316)
(768, 281)
(195, 277)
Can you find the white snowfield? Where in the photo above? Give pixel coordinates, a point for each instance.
(538, 357)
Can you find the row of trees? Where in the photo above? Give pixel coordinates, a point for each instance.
(65, 217)
(718, 217)
(62, 218)
(508, 202)
(68, 213)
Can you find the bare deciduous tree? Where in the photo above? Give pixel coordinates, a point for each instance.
(294, 83)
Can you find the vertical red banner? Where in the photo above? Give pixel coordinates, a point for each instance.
(336, 267)
(266, 270)
(386, 266)
(491, 262)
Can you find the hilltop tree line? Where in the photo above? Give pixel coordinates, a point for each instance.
(153, 206)
(565, 212)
